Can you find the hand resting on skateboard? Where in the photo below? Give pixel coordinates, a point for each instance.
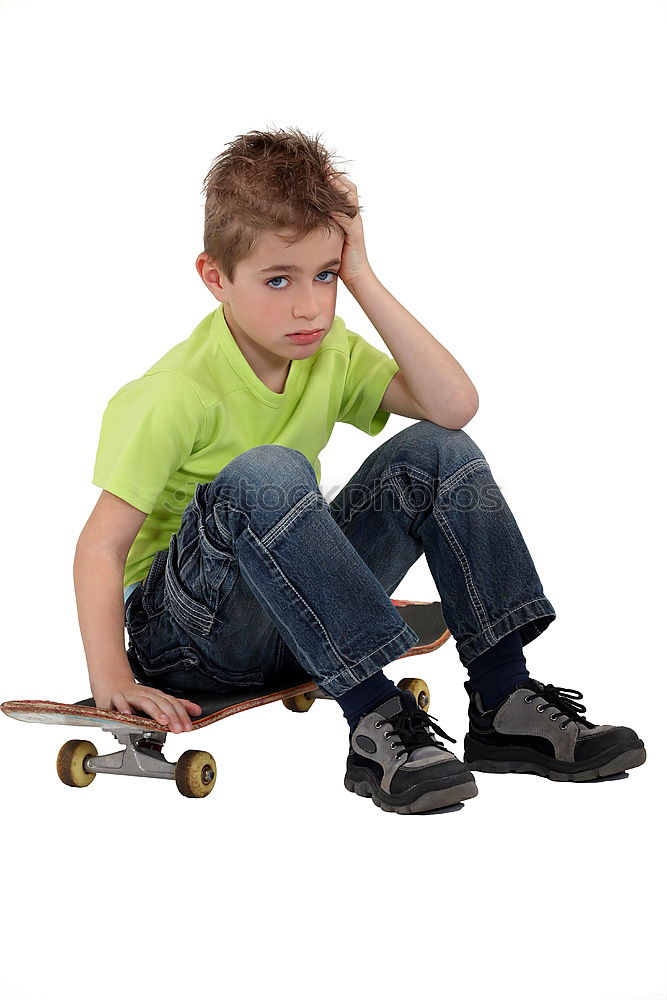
(165, 708)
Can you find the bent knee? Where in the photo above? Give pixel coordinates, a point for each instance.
(267, 465)
(430, 439)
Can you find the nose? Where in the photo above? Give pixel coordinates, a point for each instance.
(308, 309)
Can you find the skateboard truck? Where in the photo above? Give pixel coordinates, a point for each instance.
(142, 756)
(194, 772)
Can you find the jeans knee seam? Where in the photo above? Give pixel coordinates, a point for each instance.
(448, 483)
(392, 479)
(287, 519)
(461, 473)
(458, 551)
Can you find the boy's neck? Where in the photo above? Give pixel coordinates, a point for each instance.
(271, 369)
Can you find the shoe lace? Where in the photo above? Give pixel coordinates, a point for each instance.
(562, 699)
(411, 726)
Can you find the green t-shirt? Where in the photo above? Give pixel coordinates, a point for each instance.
(201, 405)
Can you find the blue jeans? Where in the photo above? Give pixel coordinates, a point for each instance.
(265, 581)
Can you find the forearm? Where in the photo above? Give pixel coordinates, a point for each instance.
(433, 376)
(98, 583)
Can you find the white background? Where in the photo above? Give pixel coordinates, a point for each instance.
(510, 157)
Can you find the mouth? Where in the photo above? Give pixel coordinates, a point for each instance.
(305, 337)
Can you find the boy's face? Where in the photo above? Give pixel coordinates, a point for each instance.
(266, 304)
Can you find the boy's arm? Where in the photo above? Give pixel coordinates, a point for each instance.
(99, 567)
(430, 383)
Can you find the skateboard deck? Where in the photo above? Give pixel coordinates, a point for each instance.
(195, 770)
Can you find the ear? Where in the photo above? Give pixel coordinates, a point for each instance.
(212, 276)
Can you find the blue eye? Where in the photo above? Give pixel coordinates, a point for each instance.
(334, 275)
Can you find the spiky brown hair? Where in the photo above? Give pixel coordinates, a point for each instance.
(266, 181)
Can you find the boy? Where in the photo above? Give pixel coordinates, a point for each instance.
(235, 568)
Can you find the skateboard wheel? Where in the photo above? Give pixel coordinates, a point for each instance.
(419, 689)
(71, 760)
(195, 773)
(300, 703)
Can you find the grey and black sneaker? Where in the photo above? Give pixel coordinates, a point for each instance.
(541, 729)
(395, 760)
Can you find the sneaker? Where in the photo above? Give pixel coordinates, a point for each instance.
(541, 729)
(410, 773)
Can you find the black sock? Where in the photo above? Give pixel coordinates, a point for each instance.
(499, 670)
(365, 696)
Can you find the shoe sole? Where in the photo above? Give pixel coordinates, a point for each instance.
(435, 798)
(628, 758)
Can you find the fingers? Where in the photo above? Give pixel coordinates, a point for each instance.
(192, 706)
(178, 718)
(118, 703)
(164, 708)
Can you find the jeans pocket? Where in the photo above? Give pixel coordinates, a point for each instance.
(209, 572)
(186, 609)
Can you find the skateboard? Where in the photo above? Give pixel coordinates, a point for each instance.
(195, 771)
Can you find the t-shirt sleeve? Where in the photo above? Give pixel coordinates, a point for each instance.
(148, 430)
(368, 374)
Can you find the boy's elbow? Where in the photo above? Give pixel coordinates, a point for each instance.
(471, 408)
(464, 412)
